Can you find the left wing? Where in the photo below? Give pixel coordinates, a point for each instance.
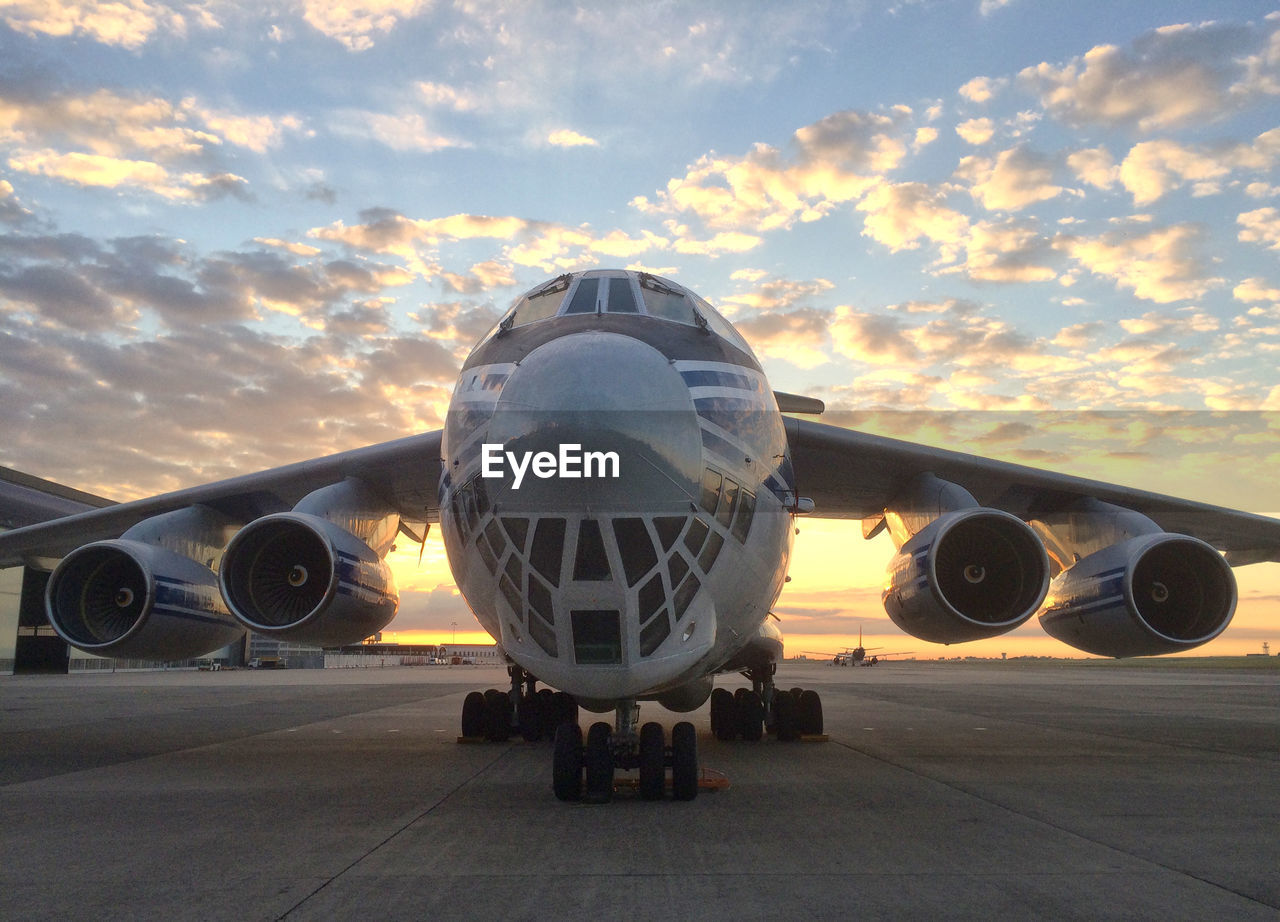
(853, 475)
(405, 473)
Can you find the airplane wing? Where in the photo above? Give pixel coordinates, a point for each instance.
(406, 472)
(853, 475)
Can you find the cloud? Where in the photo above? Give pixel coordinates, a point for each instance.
(876, 339)
(1158, 264)
(1167, 78)
(1018, 177)
(1007, 251)
(1254, 291)
(796, 336)
(982, 89)
(406, 131)
(565, 137)
(356, 24)
(779, 294)
(126, 23)
(1095, 166)
(11, 210)
(113, 172)
(1260, 226)
(118, 124)
(976, 131)
(899, 215)
(833, 160)
(1153, 168)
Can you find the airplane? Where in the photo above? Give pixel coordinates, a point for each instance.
(617, 489)
(856, 656)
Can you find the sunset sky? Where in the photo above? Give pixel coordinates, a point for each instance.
(234, 235)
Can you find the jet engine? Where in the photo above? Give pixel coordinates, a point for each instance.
(300, 577)
(1151, 594)
(969, 574)
(130, 599)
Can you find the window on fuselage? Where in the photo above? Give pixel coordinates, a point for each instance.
(664, 301)
(585, 297)
(621, 298)
(590, 562)
(541, 304)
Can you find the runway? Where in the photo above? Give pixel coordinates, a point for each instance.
(1055, 791)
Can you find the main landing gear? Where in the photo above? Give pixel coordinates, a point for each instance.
(788, 714)
(609, 749)
(524, 711)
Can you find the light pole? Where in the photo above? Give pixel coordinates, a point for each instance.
(455, 632)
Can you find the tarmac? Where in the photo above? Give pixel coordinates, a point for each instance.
(999, 790)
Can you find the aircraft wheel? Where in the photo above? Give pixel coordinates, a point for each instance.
(796, 692)
(532, 716)
(786, 724)
(684, 761)
(810, 713)
(751, 715)
(724, 715)
(566, 765)
(473, 715)
(599, 761)
(564, 708)
(653, 771)
(497, 709)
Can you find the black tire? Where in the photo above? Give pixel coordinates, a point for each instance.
(532, 718)
(796, 692)
(751, 717)
(566, 763)
(473, 716)
(565, 708)
(497, 709)
(653, 769)
(724, 715)
(598, 757)
(684, 761)
(786, 718)
(810, 714)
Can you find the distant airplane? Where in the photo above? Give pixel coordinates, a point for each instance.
(616, 486)
(856, 656)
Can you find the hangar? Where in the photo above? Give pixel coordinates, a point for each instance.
(27, 642)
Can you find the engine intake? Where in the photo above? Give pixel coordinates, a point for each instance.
(1157, 593)
(969, 574)
(128, 599)
(300, 577)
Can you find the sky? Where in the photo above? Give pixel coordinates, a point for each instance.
(236, 235)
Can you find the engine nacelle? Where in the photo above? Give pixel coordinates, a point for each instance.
(968, 574)
(299, 577)
(129, 599)
(1157, 593)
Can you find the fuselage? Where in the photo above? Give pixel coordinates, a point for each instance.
(617, 495)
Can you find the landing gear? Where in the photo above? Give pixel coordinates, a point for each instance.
(746, 713)
(620, 747)
(525, 709)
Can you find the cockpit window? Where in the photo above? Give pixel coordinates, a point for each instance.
(584, 299)
(621, 298)
(540, 303)
(662, 300)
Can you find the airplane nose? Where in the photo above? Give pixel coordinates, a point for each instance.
(574, 405)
